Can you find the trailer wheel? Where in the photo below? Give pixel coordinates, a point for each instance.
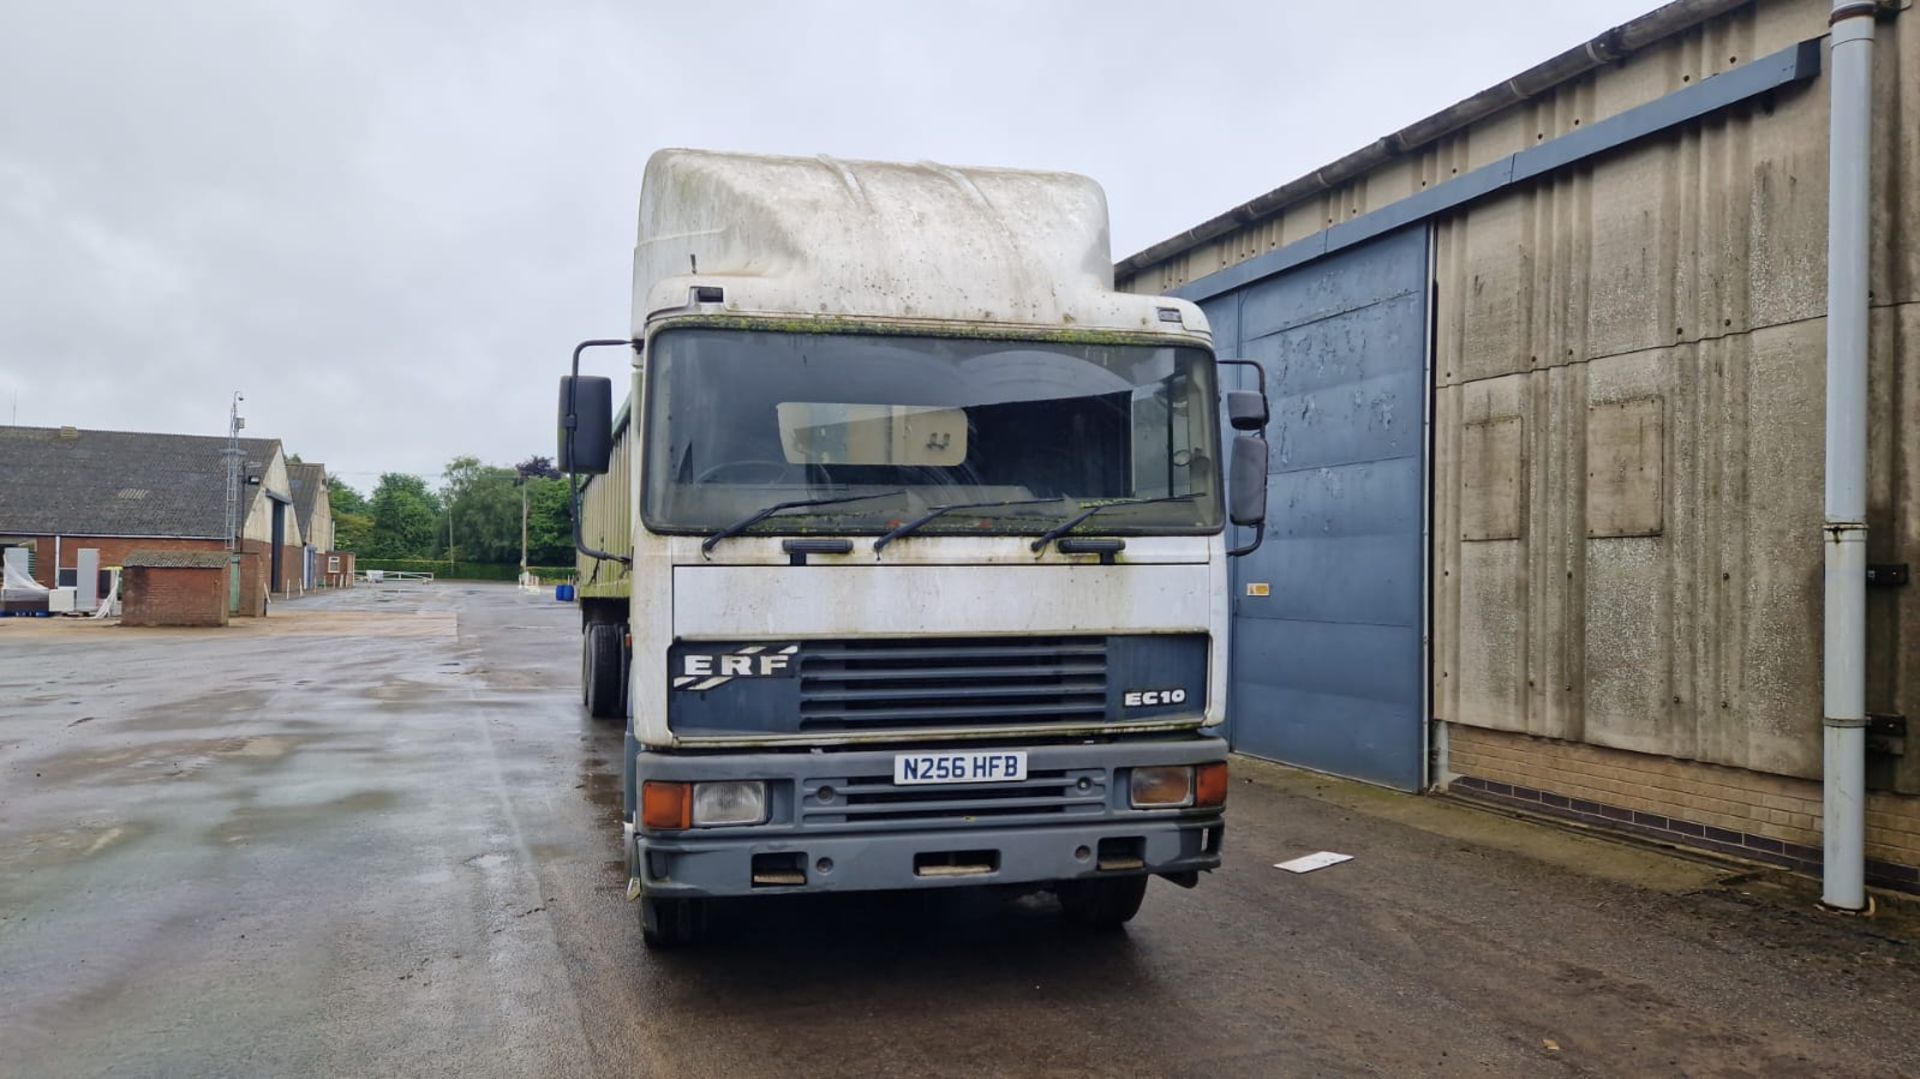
(1107, 903)
(672, 923)
(603, 670)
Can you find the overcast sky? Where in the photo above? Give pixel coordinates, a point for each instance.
(386, 222)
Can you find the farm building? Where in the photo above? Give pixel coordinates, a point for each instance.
(65, 490)
(1569, 396)
(321, 564)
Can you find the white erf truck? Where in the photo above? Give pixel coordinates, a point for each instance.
(906, 559)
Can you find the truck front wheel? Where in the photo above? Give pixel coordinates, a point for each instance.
(672, 923)
(1106, 903)
(601, 670)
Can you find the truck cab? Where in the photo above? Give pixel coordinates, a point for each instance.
(922, 544)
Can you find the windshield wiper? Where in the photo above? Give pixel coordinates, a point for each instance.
(936, 511)
(745, 523)
(1067, 526)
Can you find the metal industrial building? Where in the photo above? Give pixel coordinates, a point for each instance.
(1550, 380)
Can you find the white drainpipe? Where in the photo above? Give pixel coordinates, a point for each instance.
(1850, 82)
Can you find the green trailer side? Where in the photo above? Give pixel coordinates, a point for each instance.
(606, 521)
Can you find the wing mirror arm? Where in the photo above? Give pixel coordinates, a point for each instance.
(1248, 411)
(586, 435)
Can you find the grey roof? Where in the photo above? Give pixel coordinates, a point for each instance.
(120, 483)
(305, 482)
(176, 559)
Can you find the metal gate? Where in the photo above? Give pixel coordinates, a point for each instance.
(1329, 635)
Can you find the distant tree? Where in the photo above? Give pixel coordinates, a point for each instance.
(544, 502)
(343, 498)
(353, 532)
(404, 515)
(549, 523)
(537, 468)
(482, 516)
(459, 476)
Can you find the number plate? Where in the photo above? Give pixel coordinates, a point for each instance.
(973, 766)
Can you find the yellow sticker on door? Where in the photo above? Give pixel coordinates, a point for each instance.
(1258, 588)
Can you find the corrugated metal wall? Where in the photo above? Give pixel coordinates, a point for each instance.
(1628, 409)
(1328, 651)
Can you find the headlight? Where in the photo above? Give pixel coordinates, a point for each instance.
(1161, 788)
(732, 803)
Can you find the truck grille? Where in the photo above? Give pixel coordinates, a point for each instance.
(873, 803)
(857, 685)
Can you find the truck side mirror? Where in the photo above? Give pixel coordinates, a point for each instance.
(586, 424)
(1247, 481)
(1247, 490)
(1247, 410)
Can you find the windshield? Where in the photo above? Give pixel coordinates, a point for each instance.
(1034, 433)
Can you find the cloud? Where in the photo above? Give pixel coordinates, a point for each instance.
(387, 223)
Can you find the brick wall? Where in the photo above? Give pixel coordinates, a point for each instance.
(254, 568)
(1751, 814)
(173, 596)
(293, 561)
(325, 575)
(113, 550)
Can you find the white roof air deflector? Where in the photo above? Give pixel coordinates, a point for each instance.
(820, 238)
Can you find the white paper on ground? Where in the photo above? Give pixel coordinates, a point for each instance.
(1307, 863)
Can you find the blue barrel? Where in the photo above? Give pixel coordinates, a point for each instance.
(563, 593)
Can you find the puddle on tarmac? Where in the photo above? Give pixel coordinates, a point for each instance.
(251, 823)
(206, 710)
(403, 690)
(517, 679)
(602, 788)
(361, 624)
(154, 761)
(76, 843)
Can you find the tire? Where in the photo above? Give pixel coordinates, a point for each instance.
(1106, 903)
(672, 923)
(603, 670)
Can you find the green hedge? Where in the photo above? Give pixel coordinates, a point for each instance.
(462, 571)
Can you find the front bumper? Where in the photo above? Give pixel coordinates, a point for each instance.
(838, 824)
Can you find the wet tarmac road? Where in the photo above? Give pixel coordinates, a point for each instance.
(375, 834)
